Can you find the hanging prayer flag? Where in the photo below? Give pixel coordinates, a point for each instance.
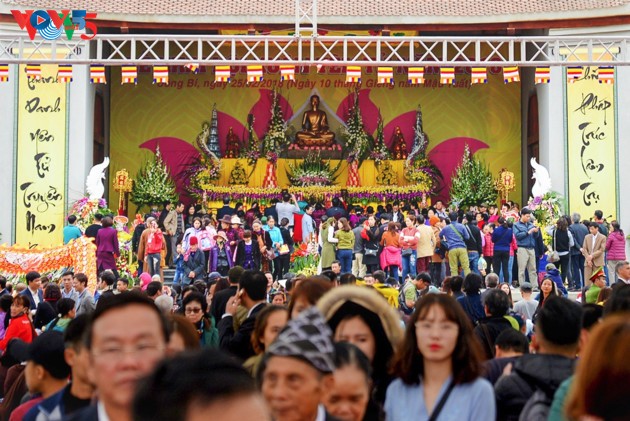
(97, 73)
(543, 74)
(287, 72)
(415, 75)
(385, 75)
(193, 67)
(4, 72)
(254, 73)
(606, 75)
(510, 74)
(222, 74)
(129, 75)
(574, 73)
(479, 75)
(353, 74)
(34, 71)
(160, 74)
(64, 73)
(447, 75)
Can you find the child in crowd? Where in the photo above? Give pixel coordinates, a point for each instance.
(178, 261)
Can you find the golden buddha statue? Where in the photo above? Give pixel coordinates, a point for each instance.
(232, 145)
(315, 131)
(399, 145)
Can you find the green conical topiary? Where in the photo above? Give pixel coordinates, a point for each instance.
(153, 183)
(472, 183)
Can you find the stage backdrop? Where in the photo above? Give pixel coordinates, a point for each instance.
(486, 116)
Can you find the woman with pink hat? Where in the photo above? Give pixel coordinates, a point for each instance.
(220, 255)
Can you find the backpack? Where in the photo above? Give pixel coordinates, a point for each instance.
(537, 407)
(401, 300)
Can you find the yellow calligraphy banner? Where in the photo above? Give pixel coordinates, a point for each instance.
(41, 159)
(591, 141)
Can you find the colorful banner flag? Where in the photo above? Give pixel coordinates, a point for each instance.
(606, 74)
(160, 74)
(353, 74)
(97, 73)
(287, 72)
(542, 75)
(34, 71)
(415, 75)
(64, 73)
(385, 75)
(129, 75)
(222, 74)
(574, 73)
(479, 75)
(254, 73)
(447, 75)
(193, 67)
(4, 72)
(510, 74)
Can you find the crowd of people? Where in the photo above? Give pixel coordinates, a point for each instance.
(413, 315)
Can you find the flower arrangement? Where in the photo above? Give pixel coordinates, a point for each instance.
(202, 173)
(272, 157)
(154, 183)
(379, 152)
(546, 209)
(472, 183)
(418, 167)
(253, 151)
(124, 262)
(357, 140)
(276, 138)
(355, 194)
(304, 259)
(313, 171)
(84, 209)
(238, 176)
(386, 175)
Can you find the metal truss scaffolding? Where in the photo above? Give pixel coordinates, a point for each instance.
(320, 50)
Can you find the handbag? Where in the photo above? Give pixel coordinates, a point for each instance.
(370, 252)
(406, 252)
(284, 249)
(552, 254)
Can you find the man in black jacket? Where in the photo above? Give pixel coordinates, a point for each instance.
(252, 292)
(226, 209)
(220, 299)
(473, 243)
(496, 306)
(536, 377)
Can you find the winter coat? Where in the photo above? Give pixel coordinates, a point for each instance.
(391, 256)
(214, 257)
(195, 264)
(554, 275)
(616, 246)
(487, 331)
(240, 254)
(426, 242)
(531, 372)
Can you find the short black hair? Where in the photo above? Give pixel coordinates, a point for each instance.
(497, 302)
(512, 340)
(456, 283)
(347, 279)
(98, 216)
(472, 284)
(592, 314)
(198, 378)
(598, 214)
(424, 277)
(153, 288)
(196, 296)
(108, 276)
(64, 306)
(3, 282)
(525, 211)
(226, 200)
(72, 219)
(560, 321)
(118, 301)
(68, 272)
(124, 281)
(379, 276)
(619, 301)
(5, 302)
(75, 331)
(254, 282)
(81, 277)
(234, 274)
(332, 276)
(337, 262)
(31, 276)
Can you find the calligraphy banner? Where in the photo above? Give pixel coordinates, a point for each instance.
(41, 159)
(591, 141)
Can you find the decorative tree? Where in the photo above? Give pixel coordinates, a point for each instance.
(253, 149)
(154, 183)
(357, 140)
(379, 152)
(238, 175)
(213, 140)
(275, 139)
(472, 183)
(386, 175)
(418, 168)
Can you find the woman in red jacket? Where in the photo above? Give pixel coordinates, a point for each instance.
(20, 325)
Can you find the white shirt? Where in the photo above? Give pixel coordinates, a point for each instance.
(321, 413)
(35, 296)
(102, 413)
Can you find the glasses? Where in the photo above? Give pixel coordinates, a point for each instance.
(141, 349)
(194, 310)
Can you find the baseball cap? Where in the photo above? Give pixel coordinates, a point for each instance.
(214, 275)
(46, 350)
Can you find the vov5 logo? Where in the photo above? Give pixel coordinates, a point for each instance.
(50, 23)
